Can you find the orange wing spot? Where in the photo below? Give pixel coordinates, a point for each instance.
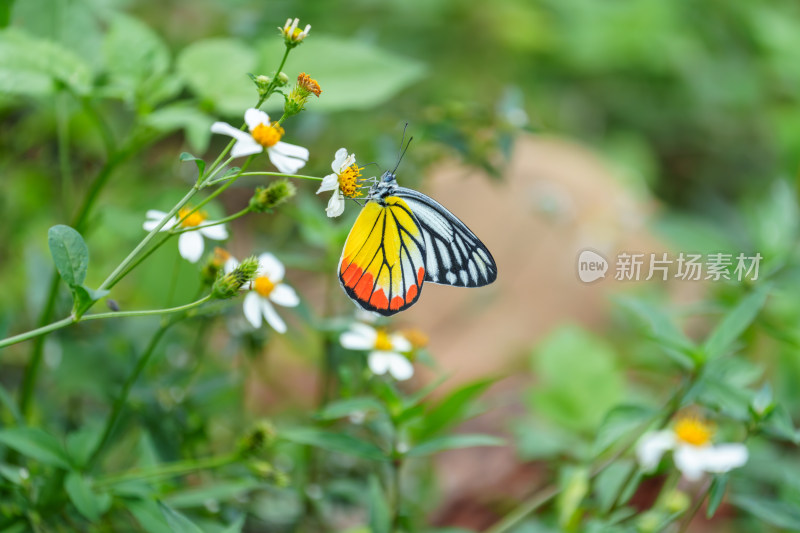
(345, 264)
(364, 288)
(420, 275)
(379, 299)
(396, 304)
(351, 275)
(411, 294)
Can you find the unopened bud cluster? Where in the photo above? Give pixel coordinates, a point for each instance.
(228, 285)
(260, 437)
(296, 100)
(267, 198)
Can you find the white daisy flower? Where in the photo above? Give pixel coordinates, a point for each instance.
(265, 289)
(693, 453)
(190, 243)
(345, 181)
(288, 158)
(386, 351)
(292, 33)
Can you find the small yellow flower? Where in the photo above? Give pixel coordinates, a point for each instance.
(386, 350)
(308, 83)
(267, 288)
(190, 243)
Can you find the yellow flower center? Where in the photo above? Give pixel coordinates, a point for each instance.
(348, 180)
(267, 135)
(263, 286)
(296, 33)
(190, 221)
(693, 430)
(382, 342)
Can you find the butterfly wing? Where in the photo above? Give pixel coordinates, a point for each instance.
(454, 254)
(382, 265)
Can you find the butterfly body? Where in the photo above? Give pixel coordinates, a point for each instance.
(402, 239)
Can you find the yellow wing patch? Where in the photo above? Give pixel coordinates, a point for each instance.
(382, 266)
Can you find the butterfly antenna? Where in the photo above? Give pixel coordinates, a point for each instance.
(402, 154)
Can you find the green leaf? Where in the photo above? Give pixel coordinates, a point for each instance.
(135, 56)
(380, 520)
(619, 422)
(608, 485)
(453, 409)
(88, 502)
(8, 402)
(716, 493)
(353, 74)
(178, 522)
(195, 124)
(236, 526)
(779, 424)
(778, 513)
(81, 443)
(661, 329)
(36, 444)
(35, 66)
(574, 483)
(337, 442)
(735, 322)
(83, 297)
(452, 442)
(201, 165)
(348, 406)
(70, 254)
(216, 71)
(149, 515)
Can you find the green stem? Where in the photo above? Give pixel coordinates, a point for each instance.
(273, 83)
(148, 312)
(174, 469)
(278, 174)
(30, 335)
(228, 218)
(698, 503)
(218, 191)
(131, 256)
(122, 399)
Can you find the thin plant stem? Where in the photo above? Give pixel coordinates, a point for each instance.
(700, 497)
(281, 175)
(32, 334)
(122, 399)
(169, 470)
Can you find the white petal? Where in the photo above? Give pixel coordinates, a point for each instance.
(217, 233)
(268, 265)
(291, 150)
(691, 461)
(359, 337)
(335, 204)
(284, 164)
(400, 367)
(284, 295)
(329, 183)
(190, 246)
(252, 309)
(272, 316)
(724, 457)
(379, 362)
(253, 117)
(230, 265)
(154, 218)
(245, 144)
(155, 214)
(338, 159)
(652, 446)
(400, 343)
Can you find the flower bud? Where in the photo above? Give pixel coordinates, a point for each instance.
(267, 198)
(262, 83)
(283, 79)
(296, 100)
(676, 501)
(228, 285)
(259, 438)
(214, 264)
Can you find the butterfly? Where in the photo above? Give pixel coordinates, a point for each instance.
(402, 239)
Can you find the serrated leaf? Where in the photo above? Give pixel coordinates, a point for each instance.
(380, 520)
(89, 503)
(337, 442)
(353, 74)
(35, 444)
(178, 522)
(216, 71)
(735, 322)
(452, 442)
(70, 254)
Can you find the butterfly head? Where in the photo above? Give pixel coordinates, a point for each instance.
(384, 186)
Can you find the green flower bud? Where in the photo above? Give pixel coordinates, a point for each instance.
(259, 438)
(283, 79)
(676, 501)
(228, 285)
(271, 196)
